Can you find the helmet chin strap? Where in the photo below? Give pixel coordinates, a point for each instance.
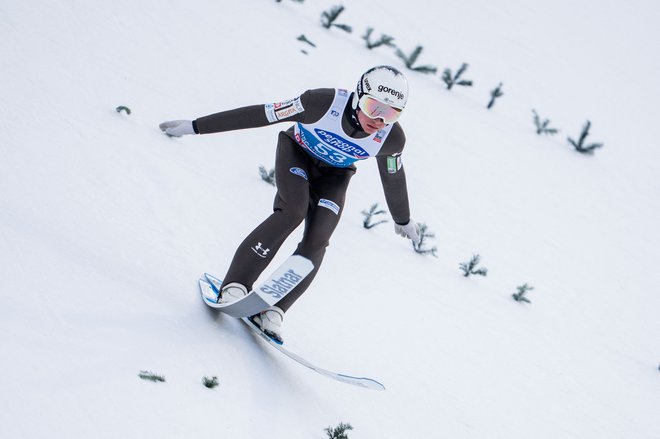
(352, 114)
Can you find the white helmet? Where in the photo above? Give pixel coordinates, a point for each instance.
(385, 84)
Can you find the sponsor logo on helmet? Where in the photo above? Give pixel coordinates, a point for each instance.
(388, 90)
(341, 144)
(367, 86)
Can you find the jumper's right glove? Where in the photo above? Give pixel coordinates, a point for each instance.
(177, 128)
(409, 230)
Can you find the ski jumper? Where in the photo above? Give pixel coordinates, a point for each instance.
(315, 160)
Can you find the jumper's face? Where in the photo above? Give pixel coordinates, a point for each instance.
(369, 125)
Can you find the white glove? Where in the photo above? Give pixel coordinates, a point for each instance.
(177, 128)
(410, 230)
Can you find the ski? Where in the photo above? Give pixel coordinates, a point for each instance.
(269, 292)
(209, 288)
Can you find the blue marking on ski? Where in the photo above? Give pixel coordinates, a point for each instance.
(273, 339)
(273, 288)
(242, 307)
(214, 281)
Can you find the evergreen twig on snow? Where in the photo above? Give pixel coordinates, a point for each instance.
(150, 376)
(420, 248)
(471, 267)
(329, 17)
(410, 60)
(542, 126)
(494, 94)
(451, 79)
(520, 295)
(267, 176)
(580, 145)
(304, 39)
(369, 214)
(338, 432)
(384, 40)
(210, 382)
(124, 109)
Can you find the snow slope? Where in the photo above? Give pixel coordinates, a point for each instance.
(105, 224)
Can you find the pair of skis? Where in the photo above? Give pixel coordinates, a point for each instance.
(290, 274)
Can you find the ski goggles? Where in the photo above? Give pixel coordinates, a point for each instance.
(375, 109)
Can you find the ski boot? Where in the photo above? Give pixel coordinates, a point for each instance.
(232, 292)
(270, 322)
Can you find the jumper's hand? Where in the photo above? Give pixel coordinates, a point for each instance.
(177, 128)
(409, 230)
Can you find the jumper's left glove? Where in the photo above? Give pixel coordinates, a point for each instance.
(409, 230)
(177, 128)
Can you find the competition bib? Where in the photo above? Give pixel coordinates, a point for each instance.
(327, 141)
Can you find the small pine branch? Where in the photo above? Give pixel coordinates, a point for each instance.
(424, 234)
(124, 109)
(304, 39)
(339, 432)
(150, 376)
(345, 27)
(470, 268)
(580, 144)
(520, 295)
(329, 17)
(542, 126)
(210, 382)
(494, 95)
(410, 60)
(369, 214)
(267, 176)
(384, 40)
(451, 79)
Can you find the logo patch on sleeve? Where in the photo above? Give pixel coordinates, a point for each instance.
(299, 172)
(394, 164)
(329, 205)
(282, 110)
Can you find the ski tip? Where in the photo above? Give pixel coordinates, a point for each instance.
(366, 383)
(375, 385)
(209, 277)
(215, 283)
(209, 294)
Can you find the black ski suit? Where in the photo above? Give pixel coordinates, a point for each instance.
(308, 188)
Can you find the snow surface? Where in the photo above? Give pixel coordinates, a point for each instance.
(106, 224)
